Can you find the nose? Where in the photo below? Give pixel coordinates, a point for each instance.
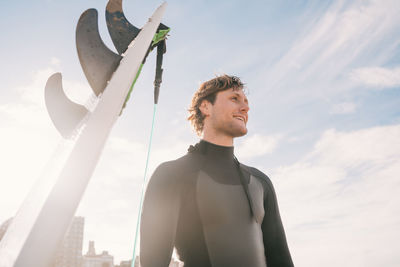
(244, 107)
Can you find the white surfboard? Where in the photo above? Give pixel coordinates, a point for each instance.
(35, 243)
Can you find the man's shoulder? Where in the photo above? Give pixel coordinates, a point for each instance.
(254, 171)
(168, 174)
(186, 163)
(257, 173)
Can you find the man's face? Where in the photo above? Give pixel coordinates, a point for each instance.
(228, 115)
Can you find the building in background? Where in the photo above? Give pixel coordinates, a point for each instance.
(69, 254)
(128, 263)
(91, 259)
(124, 264)
(174, 263)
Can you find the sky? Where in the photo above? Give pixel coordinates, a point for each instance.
(323, 83)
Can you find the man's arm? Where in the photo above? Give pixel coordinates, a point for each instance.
(159, 218)
(276, 249)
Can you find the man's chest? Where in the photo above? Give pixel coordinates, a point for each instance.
(224, 204)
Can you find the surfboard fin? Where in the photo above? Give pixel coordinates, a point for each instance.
(64, 113)
(97, 60)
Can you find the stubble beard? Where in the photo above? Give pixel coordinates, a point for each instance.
(231, 129)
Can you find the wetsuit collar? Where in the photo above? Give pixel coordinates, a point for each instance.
(208, 148)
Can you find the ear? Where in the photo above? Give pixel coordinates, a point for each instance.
(205, 107)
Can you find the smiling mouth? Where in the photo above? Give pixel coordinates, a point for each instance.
(240, 118)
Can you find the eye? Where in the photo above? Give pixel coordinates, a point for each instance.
(235, 98)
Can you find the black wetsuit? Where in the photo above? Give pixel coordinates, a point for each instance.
(214, 213)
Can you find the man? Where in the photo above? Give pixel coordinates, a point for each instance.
(214, 210)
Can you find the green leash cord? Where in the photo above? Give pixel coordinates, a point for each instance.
(143, 184)
(147, 162)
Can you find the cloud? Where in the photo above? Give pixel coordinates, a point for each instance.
(257, 145)
(341, 199)
(377, 77)
(331, 44)
(343, 108)
(55, 61)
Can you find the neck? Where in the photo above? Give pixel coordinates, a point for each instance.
(215, 152)
(221, 140)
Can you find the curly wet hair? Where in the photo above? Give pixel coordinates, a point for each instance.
(208, 91)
